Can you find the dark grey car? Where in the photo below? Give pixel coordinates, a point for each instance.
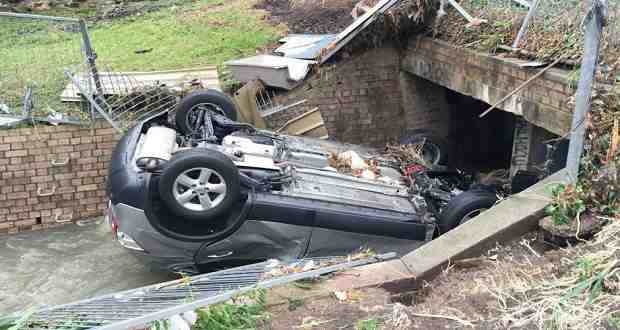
(196, 190)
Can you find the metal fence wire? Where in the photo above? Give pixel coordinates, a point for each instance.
(118, 97)
(31, 65)
(136, 308)
(49, 69)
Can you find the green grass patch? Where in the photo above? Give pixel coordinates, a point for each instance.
(206, 32)
(369, 324)
(243, 312)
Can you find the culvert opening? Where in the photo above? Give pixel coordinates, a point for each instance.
(479, 144)
(501, 143)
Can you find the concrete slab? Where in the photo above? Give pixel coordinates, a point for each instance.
(65, 264)
(393, 275)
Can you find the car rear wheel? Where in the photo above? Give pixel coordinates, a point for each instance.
(186, 112)
(200, 185)
(465, 207)
(434, 149)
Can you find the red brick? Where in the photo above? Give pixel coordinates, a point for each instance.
(105, 131)
(64, 149)
(18, 195)
(88, 160)
(5, 225)
(15, 153)
(13, 139)
(87, 187)
(63, 135)
(25, 224)
(45, 178)
(64, 176)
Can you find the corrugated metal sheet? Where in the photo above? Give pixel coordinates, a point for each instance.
(304, 46)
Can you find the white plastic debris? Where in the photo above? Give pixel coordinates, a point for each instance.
(356, 161)
(178, 323)
(190, 317)
(341, 295)
(308, 266)
(368, 174)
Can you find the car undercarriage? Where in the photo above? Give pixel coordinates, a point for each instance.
(206, 179)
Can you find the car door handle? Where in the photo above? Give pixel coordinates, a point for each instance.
(225, 254)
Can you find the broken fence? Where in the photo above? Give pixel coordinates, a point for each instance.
(141, 306)
(35, 49)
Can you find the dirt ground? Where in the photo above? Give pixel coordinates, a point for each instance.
(329, 312)
(309, 16)
(455, 293)
(497, 290)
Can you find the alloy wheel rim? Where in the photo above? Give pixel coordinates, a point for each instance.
(471, 215)
(199, 189)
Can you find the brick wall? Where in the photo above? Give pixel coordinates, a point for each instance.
(490, 78)
(425, 105)
(521, 146)
(52, 175)
(359, 98)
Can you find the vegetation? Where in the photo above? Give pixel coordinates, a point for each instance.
(370, 324)
(243, 312)
(193, 34)
(567, 204)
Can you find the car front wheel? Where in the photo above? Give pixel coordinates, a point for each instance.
(200, 185)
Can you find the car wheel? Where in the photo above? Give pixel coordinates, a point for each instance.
(200, 186)
(465, 207)
(210, 100)
(434, 150)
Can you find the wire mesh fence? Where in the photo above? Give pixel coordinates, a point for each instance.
(134, 309)
(118, 97)
(34, 51)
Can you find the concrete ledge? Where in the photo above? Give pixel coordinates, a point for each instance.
(393, 276)
(508, 220)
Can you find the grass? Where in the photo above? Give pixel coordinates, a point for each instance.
(243, 312)
(206, 32)
(369, 324)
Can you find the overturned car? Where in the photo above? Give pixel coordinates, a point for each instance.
(194, 190)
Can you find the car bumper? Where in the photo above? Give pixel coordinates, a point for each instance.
(132, 230)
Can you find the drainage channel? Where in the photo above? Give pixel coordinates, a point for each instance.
(139, 307)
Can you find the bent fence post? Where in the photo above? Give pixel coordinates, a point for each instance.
(595, 19)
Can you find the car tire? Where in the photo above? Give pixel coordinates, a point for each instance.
(200, 185)
(435, 149)
(213, 99)
(464, 207)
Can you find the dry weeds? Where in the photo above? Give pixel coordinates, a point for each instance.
(518, 287)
